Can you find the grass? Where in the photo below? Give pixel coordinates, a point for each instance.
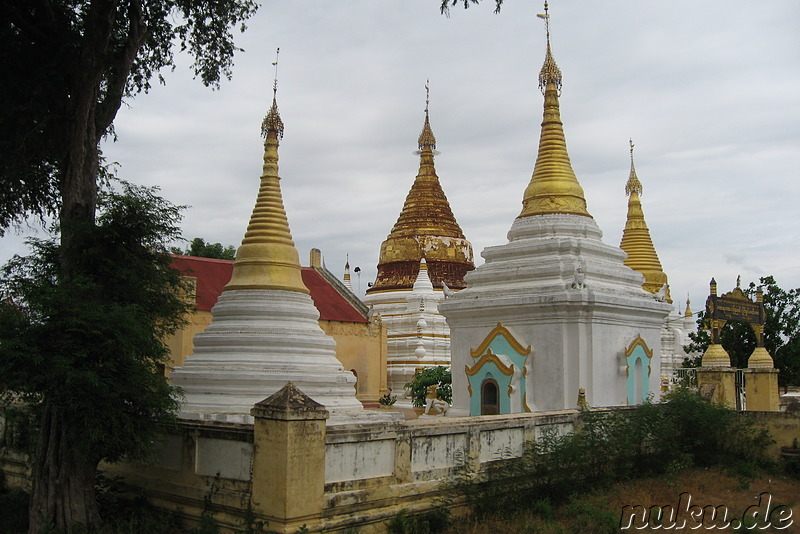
(599, 511)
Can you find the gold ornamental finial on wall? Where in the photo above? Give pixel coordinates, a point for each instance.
(636, 240)
(553, 187)
(267, 257)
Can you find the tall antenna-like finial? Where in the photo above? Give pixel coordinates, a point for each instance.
(427, 95)
(273, 122)
(426, 137)
(633, 185)
(550, 72)
(275, 64)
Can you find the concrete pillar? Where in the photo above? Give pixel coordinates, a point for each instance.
(716, 379)
(761, 383)
(289, 460)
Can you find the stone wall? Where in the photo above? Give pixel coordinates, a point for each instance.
(371, 470)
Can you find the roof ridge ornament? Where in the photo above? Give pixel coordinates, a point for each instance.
(273, 122)
(550, 72)
(426, 137)
(633, 185)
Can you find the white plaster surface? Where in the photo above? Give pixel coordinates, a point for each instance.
(226, 458)
(359, 460)
(577, 323)
(435, 452)
(502, 444)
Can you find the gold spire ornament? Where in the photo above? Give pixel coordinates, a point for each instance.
(267, 257)
(425, 228)
(554, 188)
(636, 241)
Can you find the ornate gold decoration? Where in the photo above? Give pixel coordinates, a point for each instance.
(273, 119)
(525, 403)
(553, 187)
(716, 356)
(267, 257)
(636, 342)
(507, 370)
(469, 388)
(636, 241)
(500, 330)
(688, 312)
(425, 228)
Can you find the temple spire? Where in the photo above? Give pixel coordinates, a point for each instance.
(554, 188)
(267, 257)
(636, 240)
(426, 225)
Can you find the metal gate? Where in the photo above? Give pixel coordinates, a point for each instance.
(741, 397)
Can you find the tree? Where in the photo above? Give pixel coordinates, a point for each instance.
(91, 369)
(68, 65)
(781, 332)
(199, 248)
(445, 5)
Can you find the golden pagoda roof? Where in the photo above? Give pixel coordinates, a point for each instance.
(553, 188)
(688, 312)
(267, 257)
(636, 240)
(426, 228)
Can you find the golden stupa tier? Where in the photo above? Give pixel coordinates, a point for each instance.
(267, 257)
(553, 187)
(636, 240)
(426, 228)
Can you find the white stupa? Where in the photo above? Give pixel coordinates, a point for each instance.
(555, 309)
(264, 330)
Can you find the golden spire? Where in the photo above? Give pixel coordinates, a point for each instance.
(688, 312)
(553, 187)
(636, 241)
(267, 258)
(426, 227)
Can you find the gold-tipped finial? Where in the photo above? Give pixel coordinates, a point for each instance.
(553, 187)
(688, 312)
(267, 257)
(636, 240)
(426, 137)
(550, 72)
(633, 185)
(273, 119)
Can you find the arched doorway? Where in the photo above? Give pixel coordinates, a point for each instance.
(490, 397)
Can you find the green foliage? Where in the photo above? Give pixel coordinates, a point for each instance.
(607, 446)
(781, 332)
(92, 345)
(199, 248)
(587, 517)
(431, 522)
(445, 5)
(438, 376)
(387, 400)
(13, 511)
(68, 65)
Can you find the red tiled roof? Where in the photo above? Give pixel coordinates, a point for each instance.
(213, 274)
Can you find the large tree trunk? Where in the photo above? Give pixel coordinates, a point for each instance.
(63, 478)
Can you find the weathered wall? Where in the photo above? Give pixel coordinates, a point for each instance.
(361, 347)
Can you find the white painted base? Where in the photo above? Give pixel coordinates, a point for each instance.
(257, 341)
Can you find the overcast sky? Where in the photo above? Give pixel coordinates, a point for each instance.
(709, 91)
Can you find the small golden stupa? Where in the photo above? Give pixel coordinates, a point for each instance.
(426, 228)
(636, 241)
(553, 187)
